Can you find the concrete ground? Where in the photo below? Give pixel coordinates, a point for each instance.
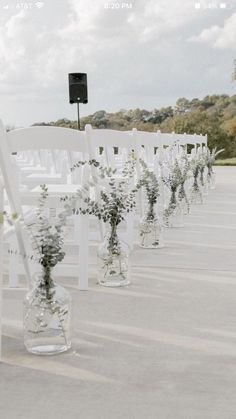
(163, 348)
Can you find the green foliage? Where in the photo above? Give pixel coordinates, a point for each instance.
(115, 200)
(178, 174)
(149, 182)
(234, 72)
(214, 115)
(175, 180)
(182, 105)
(226, 162)
(47, 237)
(210, 157)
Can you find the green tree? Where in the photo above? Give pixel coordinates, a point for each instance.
(214, 115)
(182, 105)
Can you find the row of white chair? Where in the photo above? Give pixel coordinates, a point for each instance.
(35, 155)
(76, 144)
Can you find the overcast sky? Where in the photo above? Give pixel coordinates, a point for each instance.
(142, 53)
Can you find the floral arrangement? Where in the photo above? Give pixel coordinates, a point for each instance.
(46, 303)
(197, 164)
(211, 157)
(114, 201)
(47, 239)
(184, 167)
(149, 182)
(200, 167)
(175, 180)
(150, 227)
(115, 197)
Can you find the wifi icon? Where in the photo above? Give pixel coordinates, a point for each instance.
(39, 4)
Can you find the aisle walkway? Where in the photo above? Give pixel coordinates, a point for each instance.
(164, 348)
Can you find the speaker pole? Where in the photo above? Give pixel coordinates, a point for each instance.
(78, 116)
(78, 91)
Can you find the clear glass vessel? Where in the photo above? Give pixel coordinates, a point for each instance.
(203, 182)
(47, 310)
(173, 212)
(196, 194)
(183, 199)
(113, 260)
(211, 178)
(150, 230)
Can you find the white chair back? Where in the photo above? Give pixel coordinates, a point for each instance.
(39, 138)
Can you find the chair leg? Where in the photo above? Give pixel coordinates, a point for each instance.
(77, 233)
(83, 252)
(1, 263)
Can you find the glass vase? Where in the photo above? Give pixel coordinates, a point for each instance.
(211, 178)
(47, 310)
(113, 260)
(173, 212)
(150, 230)
(183, 200)
(203, 182)
(196, 194)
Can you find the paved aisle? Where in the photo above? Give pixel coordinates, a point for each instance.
(163, 348)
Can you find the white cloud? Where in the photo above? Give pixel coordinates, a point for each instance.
(133, 57)
(92, 37)
(222, 37)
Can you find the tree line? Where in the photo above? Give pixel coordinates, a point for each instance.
(214, 115)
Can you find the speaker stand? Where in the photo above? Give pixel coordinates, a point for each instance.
(78, 116)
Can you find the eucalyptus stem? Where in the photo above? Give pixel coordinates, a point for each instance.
(150, 213)
(195, 183)
(201, 175)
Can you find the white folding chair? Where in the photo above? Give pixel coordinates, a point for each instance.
(1, 259)
(42, 138)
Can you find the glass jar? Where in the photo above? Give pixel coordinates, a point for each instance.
(211, 178)
(113, 260)
(150, 230)
(196, 194)
(47, 311)
(203, 182)
(173, 213)
(183, 199)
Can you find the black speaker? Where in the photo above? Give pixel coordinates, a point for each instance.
(78, 88)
